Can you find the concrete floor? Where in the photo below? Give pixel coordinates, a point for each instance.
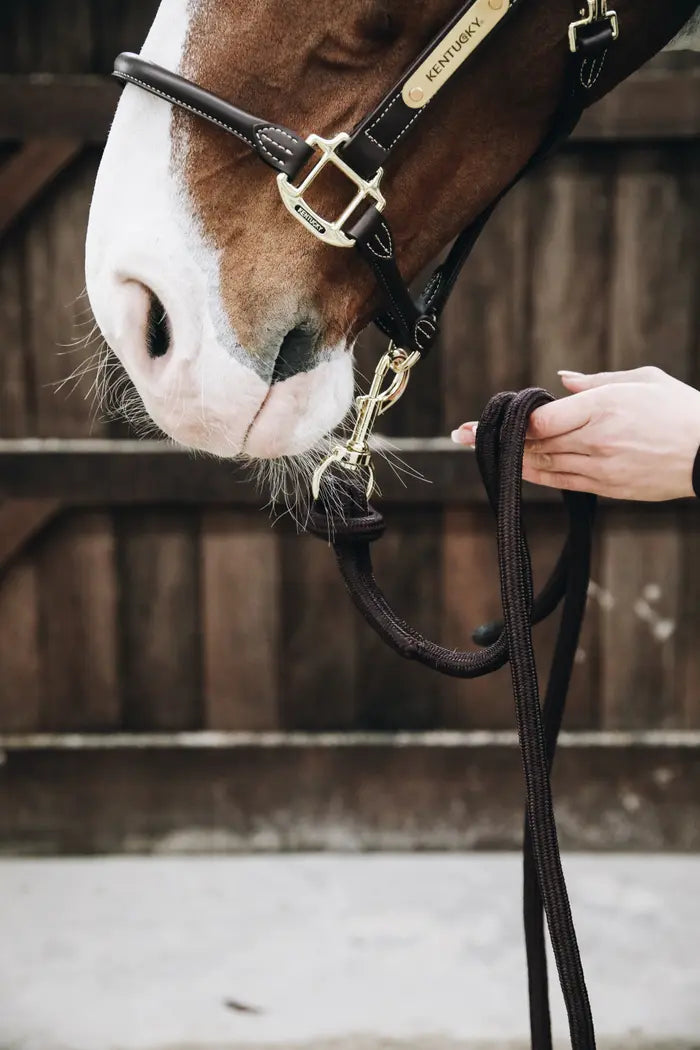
(353, 953)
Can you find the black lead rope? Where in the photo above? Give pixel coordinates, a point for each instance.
(500, 446)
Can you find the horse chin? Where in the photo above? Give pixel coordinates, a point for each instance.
(233, 419)
(298, 413)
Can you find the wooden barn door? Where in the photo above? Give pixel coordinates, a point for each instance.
(144, 592)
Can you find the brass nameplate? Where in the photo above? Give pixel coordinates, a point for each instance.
(481, 18)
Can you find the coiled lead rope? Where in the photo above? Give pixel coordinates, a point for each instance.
(356, 525)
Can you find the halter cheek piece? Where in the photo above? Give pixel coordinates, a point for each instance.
(412, 326)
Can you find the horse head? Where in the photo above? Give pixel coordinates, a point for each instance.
(236, 326)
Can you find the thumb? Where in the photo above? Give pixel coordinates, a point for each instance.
(560, 417)
(576, 381)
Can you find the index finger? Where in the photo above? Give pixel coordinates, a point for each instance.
(560, 417)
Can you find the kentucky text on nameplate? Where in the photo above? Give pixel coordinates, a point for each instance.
(445, 59)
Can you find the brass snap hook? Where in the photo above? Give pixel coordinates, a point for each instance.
(355, 454)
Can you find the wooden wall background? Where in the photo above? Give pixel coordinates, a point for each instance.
(186, 615)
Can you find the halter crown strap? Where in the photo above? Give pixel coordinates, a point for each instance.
(376, 137)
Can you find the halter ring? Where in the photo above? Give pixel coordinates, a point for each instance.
(330, 232)
(597, 12)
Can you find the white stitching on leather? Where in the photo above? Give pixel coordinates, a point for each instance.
(379, 273)
(184, 105)
(388, 250)
(594, 72)
(424, 321)
(399, 311)
(274, 127)
(403, 130)
(433, 287)
(378, 255)
(278, 145)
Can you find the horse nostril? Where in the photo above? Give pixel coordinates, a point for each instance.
(158, 334)
(296, 354)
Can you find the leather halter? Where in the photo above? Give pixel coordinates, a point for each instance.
(361, 154)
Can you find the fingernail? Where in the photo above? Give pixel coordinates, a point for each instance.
(464, 435)
(565, 374)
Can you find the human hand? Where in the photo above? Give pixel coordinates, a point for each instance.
(626, 435)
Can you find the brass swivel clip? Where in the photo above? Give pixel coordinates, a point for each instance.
(356, 453)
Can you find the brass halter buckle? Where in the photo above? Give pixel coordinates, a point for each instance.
(331, 232)
(356, 453)
(597, 12)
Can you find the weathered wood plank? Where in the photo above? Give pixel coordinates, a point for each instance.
(688, 634)
(545, 534)
(20, 521)
(95, 472)
(213, 792)
(57, 318)
(47, 105)
(653, 104)
(641, 573)
(76, 568)
(46, 36)
(240, 609)
(16, 389)
(36, 35)
(688, 684)
(78, 616)
(485, 334)
(393, 693)
(119, 25)
(159, 624)
(471, 598)
(571, 220)
(21, 678)
(28, 172)
(652, 322)
(43, 35)
(318, 654)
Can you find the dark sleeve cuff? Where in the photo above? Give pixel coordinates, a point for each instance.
(696, 475)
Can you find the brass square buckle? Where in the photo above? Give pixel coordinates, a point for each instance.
(597, 12)
(293, 196)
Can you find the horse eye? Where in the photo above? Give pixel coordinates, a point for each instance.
(380, 27)
(357, 44)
